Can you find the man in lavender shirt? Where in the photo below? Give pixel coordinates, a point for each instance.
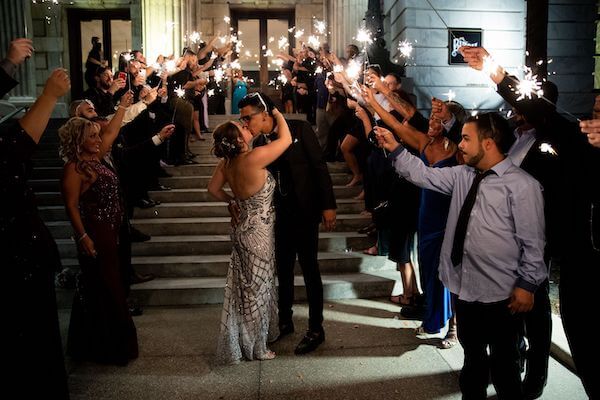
(492, 254)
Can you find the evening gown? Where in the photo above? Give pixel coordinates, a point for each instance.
(249, 318)
(101, 328)
(433, 213)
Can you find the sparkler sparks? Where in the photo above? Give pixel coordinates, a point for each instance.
(406, 48)
(195, 37)
(364, 36)
(320, 26)
(227, 19)
(490, 66)
(529, 86)
(180, 92)
(299, 33)
(451, 95)
(353, 69)
(283, 43)
(314, 42)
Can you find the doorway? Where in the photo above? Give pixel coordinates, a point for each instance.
(112, 27)
(260, 31)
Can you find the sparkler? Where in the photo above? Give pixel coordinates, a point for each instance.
(451, 95)
(338, 68)
(195, 37)
(180, 92)
(529, 86)
(314, 42)
(320, 26)
(226, 19)
(364, 36)
(406, 48)
(299, 33)
(283, 43)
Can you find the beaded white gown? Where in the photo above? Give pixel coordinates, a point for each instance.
(249, 317)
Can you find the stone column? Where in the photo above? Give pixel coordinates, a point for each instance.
(15, 22)
(344, 19)
(163, 27)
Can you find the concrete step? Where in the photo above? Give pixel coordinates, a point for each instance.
(197, 226)
(192, 291)
(189, 210)
(176, 182)
(200, 245)
(53, 198)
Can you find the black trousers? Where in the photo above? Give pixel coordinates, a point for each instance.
(579, 274)
(537, 328)
(483, 325)
(295, 235)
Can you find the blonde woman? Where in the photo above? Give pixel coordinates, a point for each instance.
(101, 328)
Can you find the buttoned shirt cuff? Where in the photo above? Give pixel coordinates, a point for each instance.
(523, 284)
(448, 125)
(156, 140)
(396, 152)
(8, 67)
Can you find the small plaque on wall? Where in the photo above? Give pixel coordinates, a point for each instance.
(458, 37)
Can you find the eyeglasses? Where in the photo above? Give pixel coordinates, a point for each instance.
(246, 118)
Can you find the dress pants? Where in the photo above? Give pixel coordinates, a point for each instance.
(538, 330)
(298, 235)
(579, 274)
(489, 324)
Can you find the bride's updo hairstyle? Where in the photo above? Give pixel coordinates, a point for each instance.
(226, 141)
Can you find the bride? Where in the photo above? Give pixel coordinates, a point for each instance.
(249, 317)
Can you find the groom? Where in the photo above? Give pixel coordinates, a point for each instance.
(304, 196)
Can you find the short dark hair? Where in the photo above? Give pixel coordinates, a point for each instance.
(256, 100)
(354, 47)
(493, 126)
(376, 68)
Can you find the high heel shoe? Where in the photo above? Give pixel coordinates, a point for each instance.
(450, 340)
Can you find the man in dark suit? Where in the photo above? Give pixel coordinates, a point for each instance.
(577, 229)
(538, 156)
(303, 198)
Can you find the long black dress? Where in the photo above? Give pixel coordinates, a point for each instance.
(101, 328)
(29, 258)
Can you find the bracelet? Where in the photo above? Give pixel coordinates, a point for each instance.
(83, 236)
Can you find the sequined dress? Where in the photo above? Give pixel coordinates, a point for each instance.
(249, 317)
(101, 328)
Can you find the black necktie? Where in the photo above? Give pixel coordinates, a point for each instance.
(463, 219)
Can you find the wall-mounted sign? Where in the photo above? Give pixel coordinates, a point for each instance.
(458, 37)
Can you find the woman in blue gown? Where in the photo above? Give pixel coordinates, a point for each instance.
(240, 89)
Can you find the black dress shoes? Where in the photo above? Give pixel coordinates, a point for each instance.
(140, 278)
(135, 235)
(136, 311)
(147, 203)
(533, 387)
(310, 342)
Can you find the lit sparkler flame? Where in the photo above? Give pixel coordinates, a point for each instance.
(283, 43)
(299, 33)
(320, 26)
(180, 92)
(127, 57)
(354, 69)
(529, 86)
(406, 48)
(271, 39)
(219, 74)
(195, 37)
(226, 19)
(451, 95)
(211, 92)
(170, 66)
(283, 79)
(490, 66)
(314, 42)
(364, 36)
(319, 70)
(338, 68)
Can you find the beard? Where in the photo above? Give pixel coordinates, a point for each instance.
(473, 161)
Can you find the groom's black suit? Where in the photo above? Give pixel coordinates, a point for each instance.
(304, 190)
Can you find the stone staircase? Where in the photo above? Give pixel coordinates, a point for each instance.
(190, 245)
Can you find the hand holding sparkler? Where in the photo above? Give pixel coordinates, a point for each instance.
(166, 132)
(126, 100)
(19, 50)
(478, 58)
(385, 139)
(592, 129)
(440, 110)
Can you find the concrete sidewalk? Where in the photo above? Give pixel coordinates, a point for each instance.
(368, 354)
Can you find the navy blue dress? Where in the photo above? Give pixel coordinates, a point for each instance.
(433, 213)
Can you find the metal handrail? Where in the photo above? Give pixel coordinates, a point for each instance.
(12, 114)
